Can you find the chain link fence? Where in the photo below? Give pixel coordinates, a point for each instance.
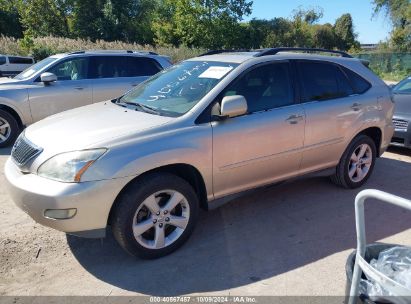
(389, 65)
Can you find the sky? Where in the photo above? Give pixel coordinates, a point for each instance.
(369, 29)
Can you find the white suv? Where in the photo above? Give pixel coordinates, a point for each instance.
(13, 65)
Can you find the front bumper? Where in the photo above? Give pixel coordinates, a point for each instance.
(401, 139)
(93, 200)
(402, 136)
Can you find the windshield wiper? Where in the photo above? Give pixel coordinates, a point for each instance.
(142, 107)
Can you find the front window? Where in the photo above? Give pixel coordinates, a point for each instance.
(404, 87)
(173, 92)
(71, 69)
(27, 73)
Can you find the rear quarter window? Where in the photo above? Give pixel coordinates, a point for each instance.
(2, 60)
(359, 84)
(20, 60)
(141, 66)
(323, 81)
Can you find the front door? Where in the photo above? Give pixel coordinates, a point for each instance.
(71, 90)
(265, 144)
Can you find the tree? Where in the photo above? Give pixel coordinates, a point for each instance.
(344, 32)
(43, 17)
(200, 23)
(324, 36)
(125, 20)
(399, 12)
(310, 16)
(9, 19)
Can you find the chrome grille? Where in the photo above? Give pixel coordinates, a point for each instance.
(400, 124)
(23, 150)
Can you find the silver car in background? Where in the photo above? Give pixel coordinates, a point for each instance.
(402, 113)
(66, 81)
(195, 134)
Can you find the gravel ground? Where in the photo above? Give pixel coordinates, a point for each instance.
(289, 239)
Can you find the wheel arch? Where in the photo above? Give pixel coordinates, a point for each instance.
(12, 112)
(185, 171)
(375, 134)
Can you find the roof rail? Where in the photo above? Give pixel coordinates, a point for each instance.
(76, 52)
(112, 51)
(274, 51)
(213, 52)
(142, 52)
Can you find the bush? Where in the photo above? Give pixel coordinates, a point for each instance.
(39, 52)
(43, 47)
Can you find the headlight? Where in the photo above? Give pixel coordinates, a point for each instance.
(70, 166)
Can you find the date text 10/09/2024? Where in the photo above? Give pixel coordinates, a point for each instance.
(203, 299)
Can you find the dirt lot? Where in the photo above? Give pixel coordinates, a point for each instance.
(290, 239)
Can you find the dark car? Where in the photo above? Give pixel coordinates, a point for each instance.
(402, 113)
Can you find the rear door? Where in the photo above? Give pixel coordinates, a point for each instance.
(334, 112)
(265, 144)
(71, 90)
(115, 75)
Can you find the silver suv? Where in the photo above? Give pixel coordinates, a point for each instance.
(196, 133)
(66, 81)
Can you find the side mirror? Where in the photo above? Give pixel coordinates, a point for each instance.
(48, 77)
(232, 106)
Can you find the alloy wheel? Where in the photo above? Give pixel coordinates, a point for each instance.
(5, 130)
(360, 163)
(161, 219)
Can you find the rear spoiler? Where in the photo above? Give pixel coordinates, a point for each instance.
(365, 62)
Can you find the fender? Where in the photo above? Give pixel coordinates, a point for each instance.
(21, 107)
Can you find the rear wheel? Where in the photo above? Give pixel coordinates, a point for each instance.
(155, 215)
(9, 129)
(356, 164)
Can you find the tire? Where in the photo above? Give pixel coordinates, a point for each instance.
(9, 129)
(347, 172)
(137, 204)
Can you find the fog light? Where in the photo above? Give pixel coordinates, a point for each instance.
(60, 214)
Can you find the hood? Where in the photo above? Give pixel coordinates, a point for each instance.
(11, 83)
(84, 127)
(402, 104)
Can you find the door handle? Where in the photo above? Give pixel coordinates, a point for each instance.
(294, 119)
(356, 106)
(79, 88)
(134, 84)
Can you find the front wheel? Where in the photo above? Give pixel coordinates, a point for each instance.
(9, 129)
(155, 215)
(356, 164)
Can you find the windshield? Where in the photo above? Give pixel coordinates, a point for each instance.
(30, 71)
(404, 87)
(173, 92)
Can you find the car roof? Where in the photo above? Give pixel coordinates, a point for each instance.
(107, 52)
(279, 53)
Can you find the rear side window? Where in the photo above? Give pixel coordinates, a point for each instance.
(140, 66)
(20, 60)
(322, 81)
(2, 60)
(109, 67)
(359, 84)
(123, 66)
